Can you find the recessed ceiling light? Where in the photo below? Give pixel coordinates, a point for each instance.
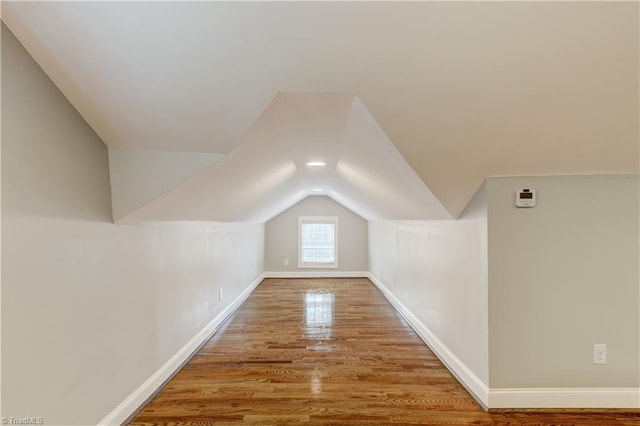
(317, 189)
(316, 164)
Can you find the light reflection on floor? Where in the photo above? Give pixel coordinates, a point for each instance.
(318, 321)
(318, 314)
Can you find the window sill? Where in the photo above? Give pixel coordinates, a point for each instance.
(318, 265)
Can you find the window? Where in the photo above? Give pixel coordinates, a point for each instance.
(317, 242)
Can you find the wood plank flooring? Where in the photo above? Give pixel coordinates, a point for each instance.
(327, 352)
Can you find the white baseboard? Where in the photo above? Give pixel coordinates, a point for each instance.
(517, 397)
(134, 401)
(565, 398)
(489, 398)
(476, 387)
(316, 274)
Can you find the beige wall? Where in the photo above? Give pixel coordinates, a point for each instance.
(91, 309)
(563, 276)
(281, 236)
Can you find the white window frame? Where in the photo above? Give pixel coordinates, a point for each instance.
(318, 219)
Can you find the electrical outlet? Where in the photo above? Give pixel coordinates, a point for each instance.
(219, 294)
(600, 353)
(286, 262)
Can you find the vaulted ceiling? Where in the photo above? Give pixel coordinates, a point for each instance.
(267, 171)
(456, 90)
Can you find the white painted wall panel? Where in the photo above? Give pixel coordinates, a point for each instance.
(91, 309)
(438, 271)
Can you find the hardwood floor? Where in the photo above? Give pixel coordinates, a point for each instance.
(327, 351)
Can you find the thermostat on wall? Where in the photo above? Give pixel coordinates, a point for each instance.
(526, 197)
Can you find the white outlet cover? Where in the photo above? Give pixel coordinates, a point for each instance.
(600, 353)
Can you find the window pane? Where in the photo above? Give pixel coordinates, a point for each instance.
(318, 243)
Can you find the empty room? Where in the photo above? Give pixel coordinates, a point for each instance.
(331, 213)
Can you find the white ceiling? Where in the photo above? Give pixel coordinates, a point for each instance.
(463, 89)
(267, 171)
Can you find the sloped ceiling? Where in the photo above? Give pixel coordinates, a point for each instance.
(463, 89)
(267, 171)
(139, 176)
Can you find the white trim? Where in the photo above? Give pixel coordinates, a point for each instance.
(318, 265)
(316, 274)
(154, 383)
(518, 397)
(565, 398)
(476, 387)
